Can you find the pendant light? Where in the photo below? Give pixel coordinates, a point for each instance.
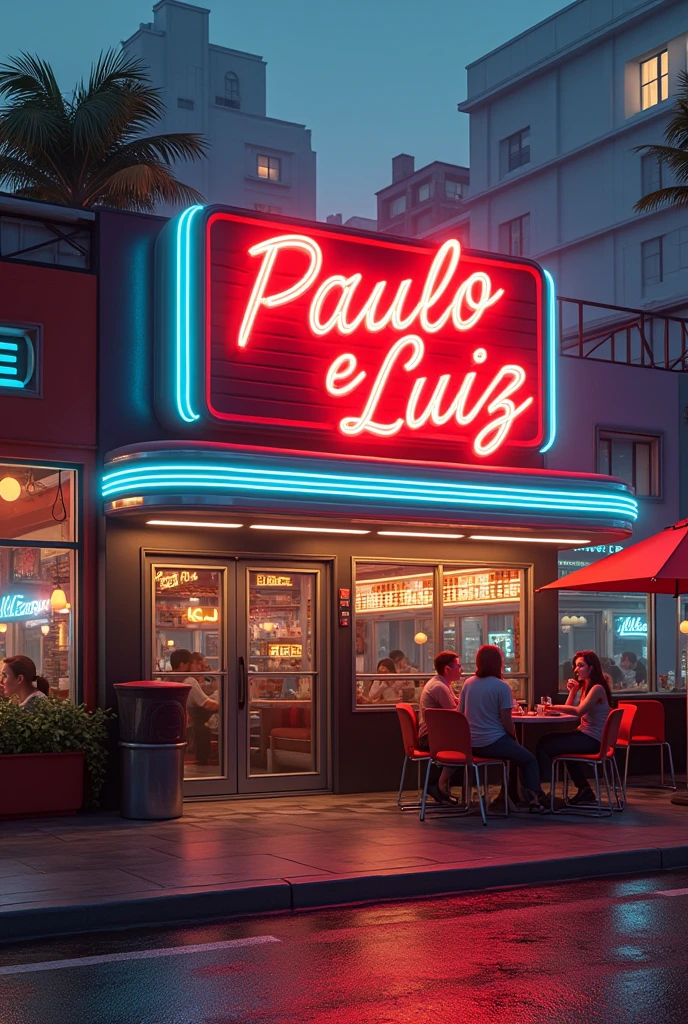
(58, 599)
(45, 630)
(10, 488)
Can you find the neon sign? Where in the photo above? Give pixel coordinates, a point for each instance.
(170, 580)
(631, 625)
(16, 606)
(196, 614)
(263, 580)
(285, 650)
(359, 342)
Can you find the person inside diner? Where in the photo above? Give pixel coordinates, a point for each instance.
(590, 700)
(199, 707)
(437, 693)
(487, 702)
(383, 690)
(19, 679)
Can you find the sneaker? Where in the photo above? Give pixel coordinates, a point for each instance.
(583, 796)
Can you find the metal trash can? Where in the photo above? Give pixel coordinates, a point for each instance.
(152, 747)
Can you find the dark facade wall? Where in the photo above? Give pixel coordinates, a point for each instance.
(366, 752)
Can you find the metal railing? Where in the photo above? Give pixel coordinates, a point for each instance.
(618, 334)
(45, 241)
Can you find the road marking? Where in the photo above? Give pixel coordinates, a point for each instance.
(672, 892)
(142, 954)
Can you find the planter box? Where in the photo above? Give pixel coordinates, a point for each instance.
(39, 785)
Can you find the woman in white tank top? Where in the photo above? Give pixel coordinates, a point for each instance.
(590, 700)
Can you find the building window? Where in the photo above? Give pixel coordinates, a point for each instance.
(514, 152)
(269, 167)
(453, 189)
(396, 207)
(38, 571)
(632, 457)
(396, 606)
(185, 104)
(265, 208)
(652, 262)
(423, 221)
(654, 80)
(651, 173)
(514, 236)
(424, 192)
(231, 97)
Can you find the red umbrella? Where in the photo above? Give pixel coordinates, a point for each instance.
(658, 565)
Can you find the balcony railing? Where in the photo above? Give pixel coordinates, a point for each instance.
(45, 241)
(618, 334)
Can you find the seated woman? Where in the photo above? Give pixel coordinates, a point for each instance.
(486, 701)
(591, 687)
(19, 679)
(383, 690)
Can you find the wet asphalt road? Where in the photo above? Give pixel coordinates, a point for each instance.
(581, 953)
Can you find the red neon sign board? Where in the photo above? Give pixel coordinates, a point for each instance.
(373, 346)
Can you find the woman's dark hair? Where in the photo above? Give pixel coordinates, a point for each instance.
(597, 676)
(396, 655)
(388, 664)
(488, 662)
(23, 666)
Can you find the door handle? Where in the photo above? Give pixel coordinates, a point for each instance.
(242, 683)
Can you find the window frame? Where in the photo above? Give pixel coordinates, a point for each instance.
(524, 219)
(268, 167)
(659, 239)
(661, 79)
(390, 206)
(513, 154)
(656, 442)
(460, 189)
(437, 613)
(644, 162)
(424, 185)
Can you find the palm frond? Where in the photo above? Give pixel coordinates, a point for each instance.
(30, 129)
(168, 148)
(675, 195)
(29, 77)
(141, 186)
(16, 175)
(676, 159)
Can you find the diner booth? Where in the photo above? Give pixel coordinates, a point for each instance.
(324, 462)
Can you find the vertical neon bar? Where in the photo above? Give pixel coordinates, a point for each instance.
(551, 314)
(184, 326)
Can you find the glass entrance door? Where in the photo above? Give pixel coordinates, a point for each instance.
(248, 638)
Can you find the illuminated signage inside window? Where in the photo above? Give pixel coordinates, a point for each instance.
(19, 360)
(284, 650)
(263, 580)
(171, 580)
(194, 613)
(630, 625)
(460, 588)
(361, 342)
(17, 606)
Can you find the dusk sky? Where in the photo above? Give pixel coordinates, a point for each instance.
(370, 78)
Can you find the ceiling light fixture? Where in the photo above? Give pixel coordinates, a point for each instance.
(410, 533)
(10, 489)
(307, 529)
(186, 522)
(531, 540)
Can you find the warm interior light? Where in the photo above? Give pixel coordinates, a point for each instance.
(566, 620)
(45, 630)
(268, 627)
(58, 600)
(421, 638)
(410, 533)
(307, 529)
(683, 627)
(10, 489)
(66, 610)
(3, 627)
(170, 643)
(186, 522)
(531, 540)
(194, 600)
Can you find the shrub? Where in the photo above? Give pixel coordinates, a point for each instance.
(55, 726)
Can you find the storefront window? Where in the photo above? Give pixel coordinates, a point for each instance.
(664, 682)
(188, 618)
(38, 552)
(396, 608)
(615, 626)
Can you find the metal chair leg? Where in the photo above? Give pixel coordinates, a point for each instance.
(661, 765)
(628, 757)
(616, 777)
(424, 797)
(401, 784)
(598, 791)
(671, 764)
(480, 796)
(605, 773)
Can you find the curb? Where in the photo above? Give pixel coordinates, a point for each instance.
(34, 920)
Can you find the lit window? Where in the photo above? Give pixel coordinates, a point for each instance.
(453, 189)
(514, 236)
(633, 458)
(654, 80)
(652, 173)
(514, 151)
(424, 192)
(265, 208)
(652, 262)
(397, 206)
(269, 167)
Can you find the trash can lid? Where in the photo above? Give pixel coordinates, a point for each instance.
(152, 684)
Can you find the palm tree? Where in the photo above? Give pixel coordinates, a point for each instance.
(90, 150)
(674, 155)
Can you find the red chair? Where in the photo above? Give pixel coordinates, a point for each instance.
(649, 731)
(603, 760)
(449, 737)
(409, 737)
(623, 740)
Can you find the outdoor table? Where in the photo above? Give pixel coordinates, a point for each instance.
(540, 720)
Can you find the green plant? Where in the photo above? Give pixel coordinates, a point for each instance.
(90, 149)
(55, 726)
(674, 155)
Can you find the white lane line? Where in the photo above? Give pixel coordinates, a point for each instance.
(672, 892)
(142, 954)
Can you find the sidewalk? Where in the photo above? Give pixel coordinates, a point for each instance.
(98, 871)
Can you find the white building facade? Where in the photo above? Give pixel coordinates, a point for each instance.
(254, 161)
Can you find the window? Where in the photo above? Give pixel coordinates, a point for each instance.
(396, 207)
(651, 173)
(423, 221)
(514, 152)
(265, 208)
(424, 192)
(38, 565)
(19, 360)
(185, 104)
(652, 262)
(453, 189)
(613, 625)
(654, 80)
(269, 167)
(514, 236)
(231, 97)
(397, 608)
(632, 457)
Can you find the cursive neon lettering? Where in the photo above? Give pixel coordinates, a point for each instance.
(353, 425)
(270, 251)
(342, 367)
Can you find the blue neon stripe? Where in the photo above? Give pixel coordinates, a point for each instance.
(184, 316)
(12, 383)
(8, 371)
(9, 346)
(7, 358)
(552, 355)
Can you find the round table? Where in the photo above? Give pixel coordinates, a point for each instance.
(522, 721)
